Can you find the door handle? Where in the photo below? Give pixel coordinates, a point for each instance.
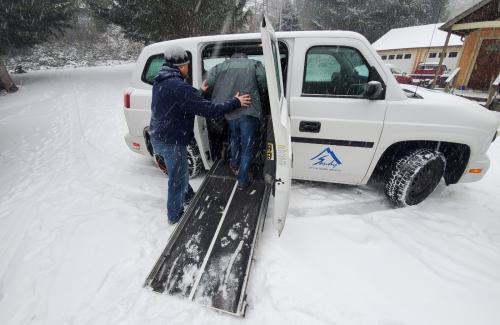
(310, 126)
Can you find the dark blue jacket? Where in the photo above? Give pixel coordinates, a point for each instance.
(175, 104)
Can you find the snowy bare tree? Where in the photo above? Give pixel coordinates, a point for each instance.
(153, 20)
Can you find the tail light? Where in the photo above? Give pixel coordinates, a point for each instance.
(126, 99)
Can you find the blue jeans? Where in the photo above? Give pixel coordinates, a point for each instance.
(242, 143)
(179, 190)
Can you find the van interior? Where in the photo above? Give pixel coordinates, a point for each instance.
(215, 53)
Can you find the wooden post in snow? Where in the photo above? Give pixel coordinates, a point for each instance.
(443, 53)
(5, 80)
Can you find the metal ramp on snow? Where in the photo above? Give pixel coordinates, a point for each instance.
(208, 256)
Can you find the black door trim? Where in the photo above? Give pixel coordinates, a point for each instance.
(332, 142)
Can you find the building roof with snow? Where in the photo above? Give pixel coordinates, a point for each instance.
(484, 14)
(415, 37)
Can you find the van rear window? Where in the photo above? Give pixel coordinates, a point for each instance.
(153, 66)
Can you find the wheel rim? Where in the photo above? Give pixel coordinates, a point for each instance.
(425, 181)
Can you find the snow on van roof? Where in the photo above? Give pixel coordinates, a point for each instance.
(415, 37)
(190, 41)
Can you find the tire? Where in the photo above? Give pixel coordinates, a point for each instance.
(147, 140)
(415, 176)
(195, 164)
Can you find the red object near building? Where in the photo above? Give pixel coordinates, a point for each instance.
(401, 77)
(425, 72)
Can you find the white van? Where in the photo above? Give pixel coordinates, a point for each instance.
(337, 112)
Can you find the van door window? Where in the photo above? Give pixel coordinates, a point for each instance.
(154, 64)
(214, 54)
(334, 71)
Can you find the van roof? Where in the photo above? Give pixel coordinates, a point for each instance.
(158, 47)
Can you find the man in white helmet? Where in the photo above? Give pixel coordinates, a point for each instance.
(173, 108)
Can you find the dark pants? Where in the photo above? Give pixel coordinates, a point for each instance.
(243, 140)
(179, 190)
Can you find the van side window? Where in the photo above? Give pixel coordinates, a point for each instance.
(216, 53)
(153, 66)
(334, 71)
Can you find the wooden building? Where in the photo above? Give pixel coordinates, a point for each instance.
(480, 60)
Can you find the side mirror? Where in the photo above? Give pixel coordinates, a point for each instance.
(373, 90)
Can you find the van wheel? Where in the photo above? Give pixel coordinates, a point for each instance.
(147, 140)
(194, 159)
(415, 176)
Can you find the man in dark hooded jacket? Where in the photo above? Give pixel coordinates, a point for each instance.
(173, 108)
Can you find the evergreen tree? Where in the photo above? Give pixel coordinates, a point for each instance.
(336, 14)
(289, 18)
(372, 18)
(389, 14)
(155, 20)
(24, 23)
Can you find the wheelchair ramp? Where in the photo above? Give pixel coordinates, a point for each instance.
(208, 256)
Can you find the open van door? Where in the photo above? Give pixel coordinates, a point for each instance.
(281, 124)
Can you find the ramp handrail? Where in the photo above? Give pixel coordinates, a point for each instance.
(450, 79)
(493, 91)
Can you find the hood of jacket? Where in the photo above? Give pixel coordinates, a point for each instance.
(168, 72)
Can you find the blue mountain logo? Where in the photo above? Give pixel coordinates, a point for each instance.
(326, 158)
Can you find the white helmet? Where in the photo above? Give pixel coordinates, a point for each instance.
(176, 55)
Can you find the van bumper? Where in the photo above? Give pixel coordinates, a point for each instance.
(136, 144)
(476, 169)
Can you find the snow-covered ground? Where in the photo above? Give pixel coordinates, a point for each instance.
(82, 222)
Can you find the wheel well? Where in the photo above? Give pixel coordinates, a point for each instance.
(147, 140)
(456, 154)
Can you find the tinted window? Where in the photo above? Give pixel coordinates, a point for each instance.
(407, 56)
(153, 66)
(320, 67)
(209, 63)
(384, 57)
(216, 53)
(399, 56)
(432, 55)
(453, 54)
(391, 57)
(334, 71)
